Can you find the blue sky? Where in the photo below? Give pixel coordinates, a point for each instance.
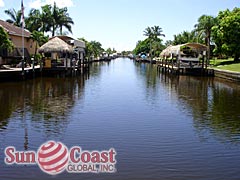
(120, 23)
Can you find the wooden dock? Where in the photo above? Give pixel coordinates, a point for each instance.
(17, 73)
(140, 60)
(169, 66)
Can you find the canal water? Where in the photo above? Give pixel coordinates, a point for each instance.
(162, 126)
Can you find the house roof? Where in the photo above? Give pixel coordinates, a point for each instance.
(13, 30)
(74, 42)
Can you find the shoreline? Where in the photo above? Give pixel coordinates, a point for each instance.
(226, 74)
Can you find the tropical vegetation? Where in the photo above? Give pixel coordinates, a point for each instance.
(152, 45)
(204, 27)
(48, 20)
(40, 39)
(221, 34)
(226, 33)
(15, 17)
(186, 37)
(93, 48)
(5, 43)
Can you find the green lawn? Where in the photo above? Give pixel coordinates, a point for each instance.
(225, 64)
(230, 67)
(216, 62)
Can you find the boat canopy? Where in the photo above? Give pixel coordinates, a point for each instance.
(176, 50)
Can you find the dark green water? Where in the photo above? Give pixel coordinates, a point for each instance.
(162, 127)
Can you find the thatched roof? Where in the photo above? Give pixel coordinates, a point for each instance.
(176, 49)
(56, 45)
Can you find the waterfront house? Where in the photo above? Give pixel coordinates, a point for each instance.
(15, 35)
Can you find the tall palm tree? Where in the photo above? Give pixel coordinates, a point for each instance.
(157, 31)
(55, 18)
(60, 19)
(34, 20)
(40, 20)
(50, 18)
(153, 34)
(46, 18)
(96, 48)
(148, 32)
(204, 27)
(65, 20)
(15, 17)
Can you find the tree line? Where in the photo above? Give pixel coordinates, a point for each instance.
(50, 20)
(221, 34)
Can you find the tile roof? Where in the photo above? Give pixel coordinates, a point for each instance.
(13, 30)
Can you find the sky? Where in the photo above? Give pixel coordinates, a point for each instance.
(120, 24)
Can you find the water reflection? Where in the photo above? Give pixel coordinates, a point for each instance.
(148, 74)
(45, 102)
(162, 126)
(213, 104)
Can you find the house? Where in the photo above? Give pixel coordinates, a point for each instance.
(15, 35)
(78, 45)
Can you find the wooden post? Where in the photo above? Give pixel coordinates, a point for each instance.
(178, 64)
(165, 64)
(203, 61)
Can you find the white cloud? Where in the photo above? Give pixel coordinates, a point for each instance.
(60, 3)
(1, 3)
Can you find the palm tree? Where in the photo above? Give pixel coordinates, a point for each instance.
(168, 43)
(55, 18)
(204, 27)
(46, 18)
(148, 32)
(50, 18)
(60, 19)
(39, 20)
(34, 20)
(65, 20)
(15, 17)
(153, 34)
(96, 48)
(39, 39)
(157, 31)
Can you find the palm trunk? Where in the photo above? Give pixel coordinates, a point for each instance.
(53, 31)
(208, 44)
(61, 30)
(35, 51)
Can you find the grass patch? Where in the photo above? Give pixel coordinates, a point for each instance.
(225, 64)
(231, 67)
(217, 62)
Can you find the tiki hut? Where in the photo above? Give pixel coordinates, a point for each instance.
(57, 53)
(56, 45)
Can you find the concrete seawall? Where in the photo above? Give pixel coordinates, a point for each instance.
(230, 75)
